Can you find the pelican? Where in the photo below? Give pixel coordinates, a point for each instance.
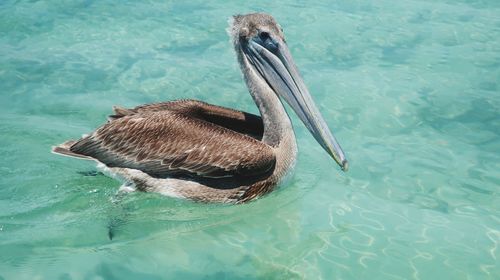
(198, 151)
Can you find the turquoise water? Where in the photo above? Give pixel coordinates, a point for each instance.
(411, 88)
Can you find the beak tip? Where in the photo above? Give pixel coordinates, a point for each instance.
(344, 165)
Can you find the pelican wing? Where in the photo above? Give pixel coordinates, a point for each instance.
(239, 121)
(163, 143)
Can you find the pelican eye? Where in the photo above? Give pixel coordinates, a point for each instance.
(264, 36)
(268, 42)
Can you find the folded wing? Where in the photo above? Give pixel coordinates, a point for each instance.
(164, 143)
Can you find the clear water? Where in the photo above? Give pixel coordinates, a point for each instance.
(411, 88)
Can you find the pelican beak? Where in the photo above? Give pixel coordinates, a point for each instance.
(272, 59)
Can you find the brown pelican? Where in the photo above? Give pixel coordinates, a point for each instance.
(191, 149)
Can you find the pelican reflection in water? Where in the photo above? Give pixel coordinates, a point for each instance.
(194, 150)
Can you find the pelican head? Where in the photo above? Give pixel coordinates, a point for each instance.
(260, 39)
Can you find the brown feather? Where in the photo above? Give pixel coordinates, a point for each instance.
(64, 149)
(164, 143)
(238, 121)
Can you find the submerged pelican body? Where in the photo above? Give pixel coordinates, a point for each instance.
(194, 150)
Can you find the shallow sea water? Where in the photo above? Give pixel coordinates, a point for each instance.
(410, 88)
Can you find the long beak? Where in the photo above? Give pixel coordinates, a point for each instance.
(274, 62)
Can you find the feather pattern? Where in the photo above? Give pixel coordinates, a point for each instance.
(165, 142)
(235, 120)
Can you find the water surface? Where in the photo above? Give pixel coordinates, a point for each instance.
(410, 88)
